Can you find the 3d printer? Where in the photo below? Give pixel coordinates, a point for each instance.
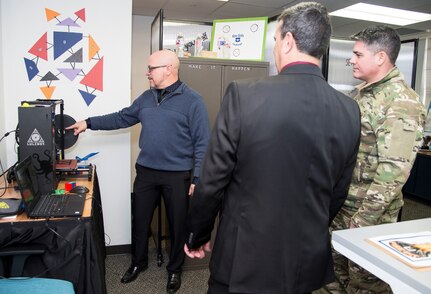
(42, 136)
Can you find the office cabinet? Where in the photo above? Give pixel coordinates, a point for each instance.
(210, 77)
(418, 183)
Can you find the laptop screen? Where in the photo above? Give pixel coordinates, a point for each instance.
(27, 181)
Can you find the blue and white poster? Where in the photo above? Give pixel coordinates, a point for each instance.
(240, 38)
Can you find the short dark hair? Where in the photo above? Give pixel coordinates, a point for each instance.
(310, 26)
(380, 38)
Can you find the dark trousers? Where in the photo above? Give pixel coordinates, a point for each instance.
(149, 186)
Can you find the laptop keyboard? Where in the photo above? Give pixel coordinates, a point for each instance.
(51, 205)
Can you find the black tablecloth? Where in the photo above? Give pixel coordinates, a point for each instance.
(75, 248)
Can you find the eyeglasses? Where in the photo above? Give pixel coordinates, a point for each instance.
(150, 68)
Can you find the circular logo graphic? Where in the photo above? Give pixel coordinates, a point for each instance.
(254, 27)
(35, 137)
(226, 29)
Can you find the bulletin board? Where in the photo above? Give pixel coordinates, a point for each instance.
(240, 38)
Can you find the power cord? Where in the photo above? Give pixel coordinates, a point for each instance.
(3, 173)
(52, 268)
(7, 134)
(69, 256)
(4, 179)
(108, 242)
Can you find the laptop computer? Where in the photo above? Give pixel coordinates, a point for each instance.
(38, 205)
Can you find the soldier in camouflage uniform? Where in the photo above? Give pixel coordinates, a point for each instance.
(392, 119)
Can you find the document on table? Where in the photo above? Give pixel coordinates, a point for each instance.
(414, 249)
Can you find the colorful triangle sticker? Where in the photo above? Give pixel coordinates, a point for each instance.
(94, 78)
(93, 48)
(88, 97)
(31, 67)
(39, 48)
(51, 14)
(70, 73)
(47, 91)
(81, 14)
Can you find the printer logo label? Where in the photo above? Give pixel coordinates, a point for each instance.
(35, 139)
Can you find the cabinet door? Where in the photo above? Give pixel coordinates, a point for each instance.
(423, 175)
(206, 80)
(418, 182)
(237, 72)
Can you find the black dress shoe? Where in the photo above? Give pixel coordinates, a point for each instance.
(132, 273)
(174, 283)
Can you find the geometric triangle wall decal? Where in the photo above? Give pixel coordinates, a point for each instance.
(88, 97)
(75, 57)
(31, 67)
(63, 41)
(51, 14)
(47, 91)
(81, 14)
(68, 22)
(39, 48)
(93, 48)
(70, 73)
(49, 77)
(94, 78)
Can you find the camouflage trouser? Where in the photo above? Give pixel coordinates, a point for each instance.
(350, 277)
(353, 279)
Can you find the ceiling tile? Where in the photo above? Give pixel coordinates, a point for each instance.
(208, 10)
(233, 10)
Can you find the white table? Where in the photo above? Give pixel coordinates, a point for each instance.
(401, 277)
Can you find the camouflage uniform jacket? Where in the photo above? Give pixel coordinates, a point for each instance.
(392, 119)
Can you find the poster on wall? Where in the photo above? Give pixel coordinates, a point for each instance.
(66, 53)
(240, 38)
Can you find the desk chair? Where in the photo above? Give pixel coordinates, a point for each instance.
(12, 261)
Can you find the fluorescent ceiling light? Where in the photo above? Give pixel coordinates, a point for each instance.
(381, 14)
(175, 24)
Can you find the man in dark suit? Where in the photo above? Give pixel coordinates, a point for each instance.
(277, 169)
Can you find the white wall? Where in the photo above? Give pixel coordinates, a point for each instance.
(2, 117)
(109, 22)
(141, 36)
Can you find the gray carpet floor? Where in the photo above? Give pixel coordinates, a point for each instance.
(153, 280)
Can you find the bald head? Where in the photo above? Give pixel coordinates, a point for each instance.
(166, 57)
(165, 64)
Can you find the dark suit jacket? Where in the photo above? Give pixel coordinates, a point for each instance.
(278, 168)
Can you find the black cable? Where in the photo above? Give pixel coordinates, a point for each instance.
(4, 179)
(59, 235)
(7, 134)
(69, 256)
(1, 166)
(63, 261)
(109, 240)
(98, 202)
